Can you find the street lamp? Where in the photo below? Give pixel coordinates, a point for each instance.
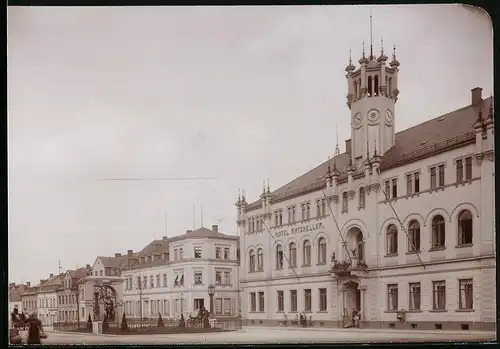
(182, 302)
(211, 292)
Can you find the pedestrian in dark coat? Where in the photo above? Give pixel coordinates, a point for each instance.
(34, 329)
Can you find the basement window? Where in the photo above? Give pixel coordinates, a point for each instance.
(438, 326)
(465, 327)
(392, 325)
(413, 325)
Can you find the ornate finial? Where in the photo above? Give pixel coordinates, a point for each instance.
(480, 115)
(371, 36)
(239, 195)
(382, 46)
(367, 150)
(394, 53)
(350, 57)
(363, 49)
(263, 186)
(329, 168)
(375, 148)
(243, 194)
(490, 113)
(268, 186)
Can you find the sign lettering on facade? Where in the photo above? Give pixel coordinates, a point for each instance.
(300, 229)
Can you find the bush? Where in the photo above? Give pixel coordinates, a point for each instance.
(105, 324)
(89, 323)
(124, 325)
(160, 321)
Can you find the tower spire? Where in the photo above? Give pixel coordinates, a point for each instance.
(371, 36)
(337, 150)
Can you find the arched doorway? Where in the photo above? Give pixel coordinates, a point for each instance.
(354, 243)
(351, 300)
(105, 302)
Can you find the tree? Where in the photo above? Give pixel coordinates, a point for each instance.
(124, 325)
(89, 323)
(160, 321)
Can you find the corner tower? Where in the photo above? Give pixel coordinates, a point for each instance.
(372, 95)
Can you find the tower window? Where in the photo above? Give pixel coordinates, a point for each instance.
(376, 85)
(370, 86)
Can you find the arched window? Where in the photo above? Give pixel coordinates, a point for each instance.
(376, 85)
(344, 202)
(392, 239)
(438, 232)
(465, 228)
(260, 259)
(414, 234)
(307, 253)
(279, 257)
(252, 261)
(293, 254)
(322, 251)
(362, 197)
(370, 86)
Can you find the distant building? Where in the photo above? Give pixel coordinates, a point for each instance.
(29, 299)
(172, 275)
(400, 227)
(47, 299)
(69, 297)
(15, 301)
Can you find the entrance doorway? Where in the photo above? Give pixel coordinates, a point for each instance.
(199, 303)
(352, 298)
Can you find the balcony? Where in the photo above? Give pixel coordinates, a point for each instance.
(353, 267)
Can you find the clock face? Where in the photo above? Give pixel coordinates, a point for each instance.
(356, 120)
(388, 117)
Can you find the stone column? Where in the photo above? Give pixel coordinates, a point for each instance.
(362, 289)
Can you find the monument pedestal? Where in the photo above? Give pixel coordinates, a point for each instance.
(97, 327)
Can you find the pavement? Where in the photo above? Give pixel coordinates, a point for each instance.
(261, 335)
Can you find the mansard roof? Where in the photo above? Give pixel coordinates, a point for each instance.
(429, 138)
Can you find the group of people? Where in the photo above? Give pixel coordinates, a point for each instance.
(300, 320)
(353, 319)
(35, 329)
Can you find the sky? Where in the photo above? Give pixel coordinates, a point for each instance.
(238, 94)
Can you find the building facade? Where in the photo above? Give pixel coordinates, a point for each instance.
(171, 276)
(399, 228)
(47, 299)
(29, 299)
(68, 297)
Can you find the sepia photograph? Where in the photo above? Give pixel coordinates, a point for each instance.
(250, 174)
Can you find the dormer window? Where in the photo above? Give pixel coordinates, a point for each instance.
(197, 252)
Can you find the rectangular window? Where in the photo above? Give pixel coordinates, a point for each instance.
(198, 277)
(323, 207)
(197, 252)
(468, 168)
(345, 202)
(293, 214)
(392, 293)
(460, 170)
(308, 211)
(394, 188)
(226, 252)
(253, 302)
(176, 254)
(322, 299)
(276, 219)
(158, 280)
(409, 184)
(261, 301)
(307, 300)
(433, 178)
(151, 281)
(293, 300)
(439, 295)
(281, 301)
(218, 277)
(165, 280)
(145, 282)
(414, 296)
(289, 215)
(466, 299)
(227, 278)
(417, 182)
(318, 208)
(387, 190)
(280, 216)
(218, 253)
(218, 306)
(441, 175)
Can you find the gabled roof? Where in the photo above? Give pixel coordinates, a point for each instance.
(15, 292)
(426, 139)
(113, 262)
(202, 233)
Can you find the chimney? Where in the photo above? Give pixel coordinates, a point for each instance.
(28, 284)
(87, 266)
(189, 231)
(118, 254)
(165, 238)
(348, 146)
(51, 275)
(130, 252)
(12, 284)
(476, 94)
(215, 228)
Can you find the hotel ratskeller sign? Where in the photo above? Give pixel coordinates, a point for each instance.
(303, 228)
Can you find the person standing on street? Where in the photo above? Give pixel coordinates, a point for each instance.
(34, 330)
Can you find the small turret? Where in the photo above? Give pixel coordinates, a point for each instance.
(382, 58)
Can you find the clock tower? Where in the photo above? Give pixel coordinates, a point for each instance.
(372, 95)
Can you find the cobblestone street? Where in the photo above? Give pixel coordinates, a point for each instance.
(267, 335)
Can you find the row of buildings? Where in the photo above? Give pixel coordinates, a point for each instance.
(399, 228)
(167, 277)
